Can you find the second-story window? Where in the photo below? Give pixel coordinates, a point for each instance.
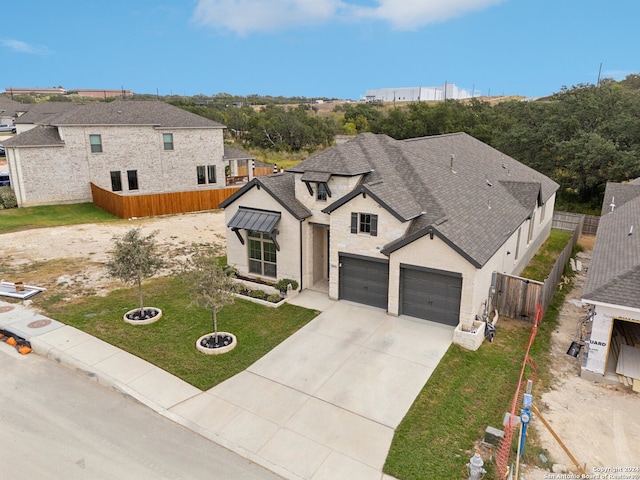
(96, 143)
(167, 138)
(322, 192)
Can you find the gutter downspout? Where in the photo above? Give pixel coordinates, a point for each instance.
(302, 220)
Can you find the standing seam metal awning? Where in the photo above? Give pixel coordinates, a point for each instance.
(257, 221)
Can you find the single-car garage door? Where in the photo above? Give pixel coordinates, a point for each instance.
(430, 294)
(364, 280)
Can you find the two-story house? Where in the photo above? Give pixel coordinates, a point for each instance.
(416, 227)
(128, 147)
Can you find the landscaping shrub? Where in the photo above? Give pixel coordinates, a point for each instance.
(7, 198)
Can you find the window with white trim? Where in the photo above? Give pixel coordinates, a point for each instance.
(96, 143)
(167, 139)
(262, 254)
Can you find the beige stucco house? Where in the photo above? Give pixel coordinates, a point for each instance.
(416, 227)
(128, 147)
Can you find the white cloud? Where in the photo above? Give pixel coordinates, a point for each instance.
(246, 16)
(412, 14)
(22, 47)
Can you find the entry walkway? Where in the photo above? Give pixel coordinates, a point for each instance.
(322, 405)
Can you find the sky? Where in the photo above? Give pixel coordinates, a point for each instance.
(317, 48)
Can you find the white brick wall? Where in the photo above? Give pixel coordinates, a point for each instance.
(288, 258)
(62, 174)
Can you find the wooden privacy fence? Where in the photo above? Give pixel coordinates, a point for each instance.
(569, 221)
(128, 206)
(517, 297)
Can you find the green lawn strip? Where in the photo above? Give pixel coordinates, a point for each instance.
(469, 391)
(170, 342)
(15, 219)
(541, 264)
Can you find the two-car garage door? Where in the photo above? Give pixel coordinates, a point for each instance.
(424, 293)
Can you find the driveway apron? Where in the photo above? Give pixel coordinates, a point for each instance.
(324, 403)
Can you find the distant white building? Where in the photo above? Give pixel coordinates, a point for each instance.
(417, 94)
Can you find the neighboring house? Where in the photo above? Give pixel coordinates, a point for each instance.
(9, 110)
(127, 147)
(612, 286)
(416, 227)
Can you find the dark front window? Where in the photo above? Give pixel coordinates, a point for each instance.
(167, 138)
(206, 174)
(365, 223)
(132, 176)
(96, 143)
(201, 172)
(262, 254)
(116, 182)
(211, 170)
(322, 192)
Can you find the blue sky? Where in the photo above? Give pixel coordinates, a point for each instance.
(317, 48)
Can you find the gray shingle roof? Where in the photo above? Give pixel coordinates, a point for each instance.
(231, 153)
(281, 186)
(10, 107)
(36, 137)
(41, 113)
(474, 202)
(614, 269)
(131, 112)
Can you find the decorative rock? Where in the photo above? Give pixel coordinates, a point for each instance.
(492, 436)
(559, 468)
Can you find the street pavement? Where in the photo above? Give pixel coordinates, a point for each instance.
(322, 405)
(56, 424)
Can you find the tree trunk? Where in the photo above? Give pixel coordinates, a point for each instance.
(215, 327)
(140, 297)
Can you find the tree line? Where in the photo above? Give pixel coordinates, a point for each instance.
(581, 137)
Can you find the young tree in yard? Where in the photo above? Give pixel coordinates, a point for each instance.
(134, 258)
(211, 284)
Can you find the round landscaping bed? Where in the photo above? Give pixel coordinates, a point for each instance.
(149, 315)
(222, 343)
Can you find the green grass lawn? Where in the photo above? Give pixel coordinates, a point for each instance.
(170, 342)
(469, 391)
(15, 219)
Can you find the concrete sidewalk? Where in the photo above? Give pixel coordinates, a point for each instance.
(323, 404)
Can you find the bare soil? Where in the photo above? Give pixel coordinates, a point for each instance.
(71, 259)
(598, 423)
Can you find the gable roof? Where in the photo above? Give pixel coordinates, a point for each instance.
(453, 186)
(41, 113)
(36, 137)
(281, 187)
(10, 107)
(132, 112)
(614, 270)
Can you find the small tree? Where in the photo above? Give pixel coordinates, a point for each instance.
(134, 258)
(212, 285)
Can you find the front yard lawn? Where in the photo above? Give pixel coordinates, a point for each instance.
(15, 219)
(170, 342)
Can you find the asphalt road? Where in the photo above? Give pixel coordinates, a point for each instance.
(56, 424)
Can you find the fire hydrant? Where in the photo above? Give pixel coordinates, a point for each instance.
(476, 472)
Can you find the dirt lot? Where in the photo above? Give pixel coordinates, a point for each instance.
(599, 424)
(71, 258)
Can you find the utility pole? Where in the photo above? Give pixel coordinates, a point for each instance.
(599, 72)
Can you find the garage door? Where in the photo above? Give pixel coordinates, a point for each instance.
(364, 280)
(430, 294)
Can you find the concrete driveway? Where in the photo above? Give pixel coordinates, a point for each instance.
(324, 404)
